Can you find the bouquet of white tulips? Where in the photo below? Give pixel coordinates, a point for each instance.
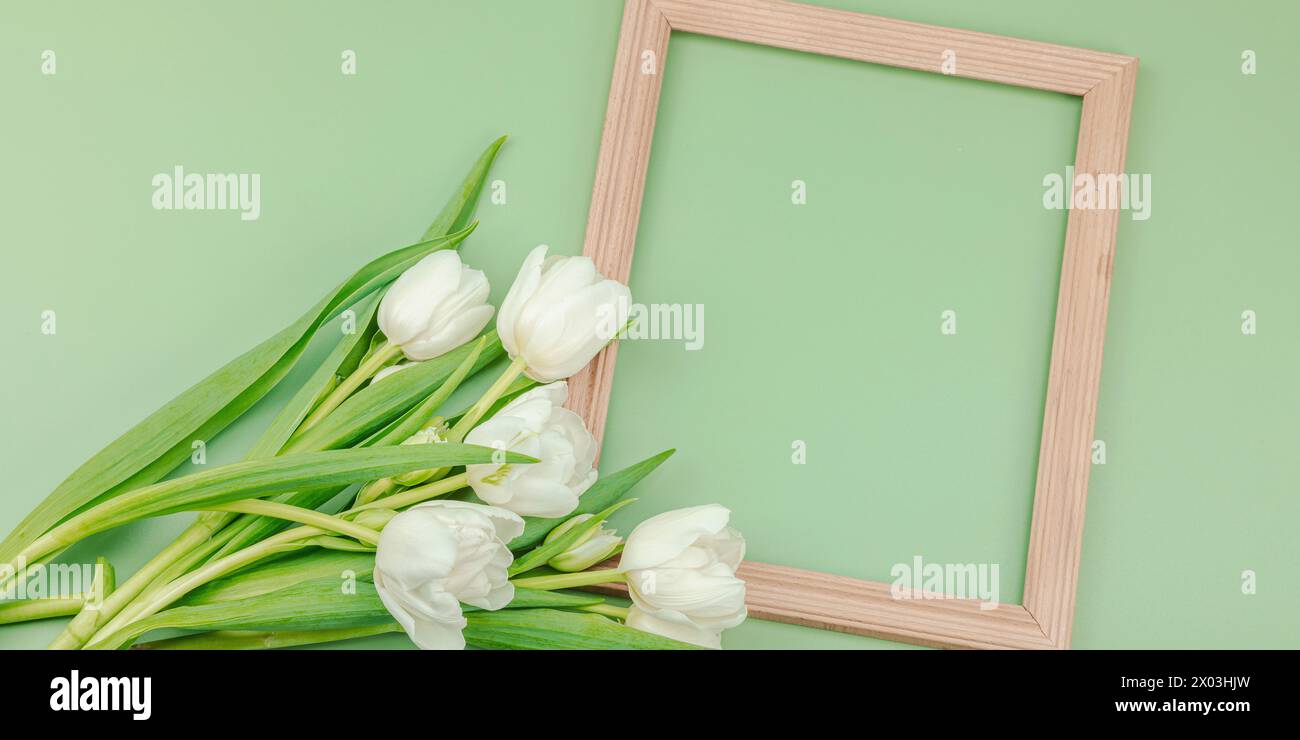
(367, 506)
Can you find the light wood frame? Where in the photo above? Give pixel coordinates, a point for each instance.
(1106, 84)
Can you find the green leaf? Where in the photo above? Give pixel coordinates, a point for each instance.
(316, 604)
(257, 478)
(540, 556)
(460, 209)
(311, 605)
(274, 575)
(602, 494)
(242, 640)
(549, 629)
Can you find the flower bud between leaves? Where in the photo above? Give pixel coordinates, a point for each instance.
(426, 436)
(375, 519)
(595, 546)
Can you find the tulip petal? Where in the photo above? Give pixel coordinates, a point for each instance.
(461, 328)
(415, 548)
(709, 595)
(674, 626)
(508, 525)
(537, 425)
(525, 285)
(562, 339)
(409, 304)
(661, 538)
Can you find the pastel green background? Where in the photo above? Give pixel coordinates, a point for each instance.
(822, 321)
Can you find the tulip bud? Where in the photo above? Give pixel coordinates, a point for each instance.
(563, 527)
(429, 435)
(560, 292)
(596, 546)
(435, 306)
(375, 519)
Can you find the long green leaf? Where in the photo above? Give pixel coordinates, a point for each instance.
(274, 575)
(460, 209)
(327, 603)
(243, 640)
(312, 605)
(602, 494)
(257, 478)
(550, 629)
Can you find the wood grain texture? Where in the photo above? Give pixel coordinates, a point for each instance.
(620, 182)
(868, 608)
(1064, 460)
(1106, 82)
(895, 43)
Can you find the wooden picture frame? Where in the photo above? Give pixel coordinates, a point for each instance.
(1106, 84)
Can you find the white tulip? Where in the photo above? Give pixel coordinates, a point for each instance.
(435, 306)
(681, 575)
(536, 424)
(559, 313)
(436, 555)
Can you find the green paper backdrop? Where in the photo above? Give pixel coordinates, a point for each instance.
(822, 320)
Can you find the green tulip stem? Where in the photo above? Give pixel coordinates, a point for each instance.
(88, 621)
(158, 600)
(28, 610)
(571, 580)
(302, 516)
(412, 496)
(315, 523)
(484, 404)
(371, 365)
